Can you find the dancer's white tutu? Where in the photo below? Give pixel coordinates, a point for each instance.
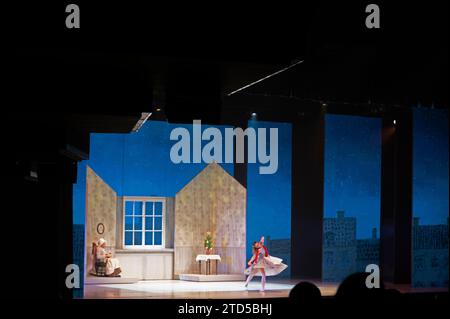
(271, 265)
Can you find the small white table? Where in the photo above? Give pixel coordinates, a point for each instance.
(207, 259)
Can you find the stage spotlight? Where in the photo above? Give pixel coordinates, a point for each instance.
(394, 121)
(253, 114)
(158, 109)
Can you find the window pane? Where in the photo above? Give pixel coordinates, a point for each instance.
(158, 238)
(128, 208)
(138, 223)
(138, 238)
(128, 223)
(138, 208)
(148, 223)
(158, 223)
(149, 208)
(128, 238)
(158, 208)
(149, 238)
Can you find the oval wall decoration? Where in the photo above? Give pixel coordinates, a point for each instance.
(100, 228)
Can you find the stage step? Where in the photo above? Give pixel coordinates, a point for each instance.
(93, 280)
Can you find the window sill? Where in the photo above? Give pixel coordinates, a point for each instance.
(144, 251)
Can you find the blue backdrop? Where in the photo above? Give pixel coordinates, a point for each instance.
(137, 164)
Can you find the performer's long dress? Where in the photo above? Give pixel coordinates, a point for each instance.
(272, 265)
(111, 263)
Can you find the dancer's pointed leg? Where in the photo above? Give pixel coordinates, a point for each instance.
(263, 280)
(249, 278)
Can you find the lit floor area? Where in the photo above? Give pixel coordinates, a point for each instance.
(179, 289)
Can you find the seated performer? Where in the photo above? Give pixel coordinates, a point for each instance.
(262, 264)
(112, 264)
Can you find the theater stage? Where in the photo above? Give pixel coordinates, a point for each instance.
(179, 289)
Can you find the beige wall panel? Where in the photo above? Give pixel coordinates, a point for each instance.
(146, 266)
(101, 205)
(212, 201)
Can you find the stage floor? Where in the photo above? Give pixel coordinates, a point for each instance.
(179, 289)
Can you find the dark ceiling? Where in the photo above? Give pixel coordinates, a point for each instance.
(126, 60)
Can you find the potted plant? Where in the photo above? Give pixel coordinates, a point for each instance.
(208, 243)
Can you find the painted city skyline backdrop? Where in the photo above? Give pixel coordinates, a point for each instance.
(353, 170)
(430, 165)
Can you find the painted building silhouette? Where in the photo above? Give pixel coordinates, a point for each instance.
(339, 247)
(78, 255)
(430, 255)
(367, 251)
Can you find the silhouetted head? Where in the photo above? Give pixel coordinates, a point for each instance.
(354, 287)
(305, 292)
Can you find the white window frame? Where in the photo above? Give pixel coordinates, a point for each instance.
(163, 214)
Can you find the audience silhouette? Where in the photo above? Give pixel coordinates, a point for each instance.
(353, 288)
(305, 292)
(354, 293)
